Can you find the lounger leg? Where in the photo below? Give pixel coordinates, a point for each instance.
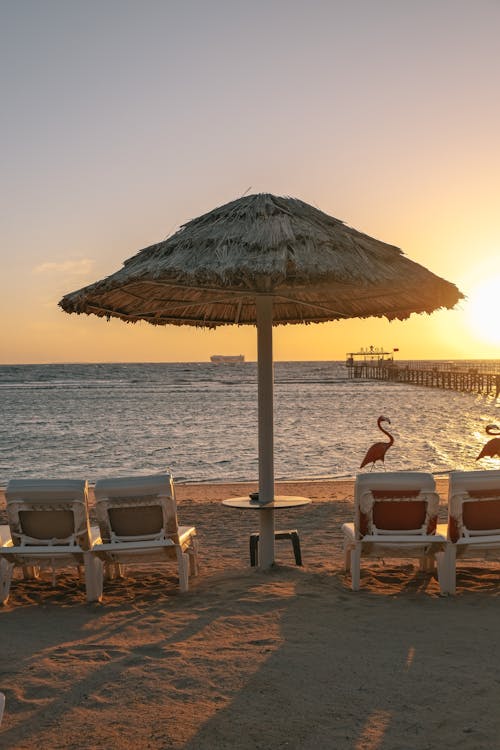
(31, 572)
(93, 577)
(355, 567)
(347, 556)
(427, 563)
(254, 549)
(183, 570)
(296, 547)
(193, 557)
(114, 570)
(6, 570)
(442, 572)
(450, 566)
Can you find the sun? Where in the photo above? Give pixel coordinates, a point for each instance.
(483, 310)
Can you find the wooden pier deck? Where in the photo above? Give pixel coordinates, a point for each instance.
(481, 377)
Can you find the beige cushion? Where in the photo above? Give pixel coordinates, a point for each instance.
(44, 510)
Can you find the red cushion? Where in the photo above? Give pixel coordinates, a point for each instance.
(399, 516)
(481, 516)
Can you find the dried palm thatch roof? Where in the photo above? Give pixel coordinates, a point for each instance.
(316, 268)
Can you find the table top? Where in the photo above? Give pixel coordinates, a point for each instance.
(280, 501)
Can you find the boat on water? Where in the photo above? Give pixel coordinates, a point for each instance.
(227, 359)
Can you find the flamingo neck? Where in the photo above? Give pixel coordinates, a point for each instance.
(391, 439)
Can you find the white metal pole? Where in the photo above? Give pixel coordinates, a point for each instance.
(264, 305)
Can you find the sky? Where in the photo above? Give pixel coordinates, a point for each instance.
(123, 120)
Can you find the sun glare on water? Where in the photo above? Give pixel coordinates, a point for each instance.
(483, 310)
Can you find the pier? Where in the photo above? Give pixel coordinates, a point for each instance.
(468, 376)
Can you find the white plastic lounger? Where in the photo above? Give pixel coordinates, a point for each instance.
(473, 518)
(2, 706)
(395, 515)
(138, 522)
(49, 528)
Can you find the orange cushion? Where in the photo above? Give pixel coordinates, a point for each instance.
(481, 516)
(398, 516)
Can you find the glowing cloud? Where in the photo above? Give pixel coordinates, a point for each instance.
(80, 267)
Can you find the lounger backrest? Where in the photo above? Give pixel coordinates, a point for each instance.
(136, 508)
(48, 512)
(473, 504)
(395, 503)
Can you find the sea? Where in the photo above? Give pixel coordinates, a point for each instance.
(200, 420)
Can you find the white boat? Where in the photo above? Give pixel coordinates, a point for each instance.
(227, 359)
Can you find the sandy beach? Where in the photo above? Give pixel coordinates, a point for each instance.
(289, 658)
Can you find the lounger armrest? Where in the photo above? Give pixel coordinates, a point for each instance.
(485, 540)
(404, 539)
(95, 535)
(185, 533)
(129, 546)
(46, 550)
(349, 530)
(5, 536)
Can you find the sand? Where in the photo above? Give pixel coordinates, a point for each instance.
(289, 658)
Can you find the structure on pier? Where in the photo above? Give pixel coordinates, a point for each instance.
(372, 356)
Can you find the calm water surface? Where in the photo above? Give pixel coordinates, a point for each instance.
(200, 420)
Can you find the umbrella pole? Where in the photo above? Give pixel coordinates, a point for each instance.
(264, 304)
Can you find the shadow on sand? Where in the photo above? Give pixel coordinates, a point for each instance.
(287, 659)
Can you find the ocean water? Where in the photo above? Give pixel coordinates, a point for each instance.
(200, 420)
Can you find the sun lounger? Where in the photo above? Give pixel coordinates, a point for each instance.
(138, 522)
(395, 515)
(49, 528)
(473, 518)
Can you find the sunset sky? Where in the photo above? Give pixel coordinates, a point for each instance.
(122, 120)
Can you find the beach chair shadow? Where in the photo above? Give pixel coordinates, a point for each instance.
(49, 529)
(395, 515)
(137, 518)
(473, 519)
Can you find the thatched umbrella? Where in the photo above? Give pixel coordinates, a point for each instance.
(264, 260)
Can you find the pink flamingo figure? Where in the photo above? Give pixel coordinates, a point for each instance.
(492, 447)
(378, 450)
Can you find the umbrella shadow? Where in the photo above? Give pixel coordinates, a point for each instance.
(362, 671)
